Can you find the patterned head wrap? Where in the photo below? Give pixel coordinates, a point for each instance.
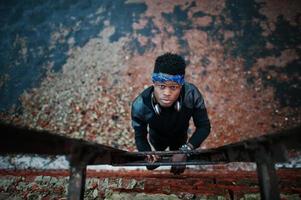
(162, 77)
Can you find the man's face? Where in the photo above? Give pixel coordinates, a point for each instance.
(166, 93)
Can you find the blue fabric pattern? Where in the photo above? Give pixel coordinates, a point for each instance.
(161, 77)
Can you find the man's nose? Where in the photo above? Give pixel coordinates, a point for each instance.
(167, 92)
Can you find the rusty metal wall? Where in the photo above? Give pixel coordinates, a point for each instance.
(74, 67)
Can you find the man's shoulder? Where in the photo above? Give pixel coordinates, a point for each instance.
(192, 95)
(142, 96)
(191, 89)
(139, 105)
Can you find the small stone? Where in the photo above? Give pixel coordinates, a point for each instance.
(5, 183)
(95, 193)
(22, 186)
(53, 181)
(34, 196)
(132, 184)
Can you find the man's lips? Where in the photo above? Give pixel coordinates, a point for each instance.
(166, 101)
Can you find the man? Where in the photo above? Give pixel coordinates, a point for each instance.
(161, 113)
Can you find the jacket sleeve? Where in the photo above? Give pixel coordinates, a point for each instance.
(200, 119)
(140, 126)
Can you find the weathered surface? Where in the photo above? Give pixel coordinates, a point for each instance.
(67, 62)
(216, 184)
(74, 68)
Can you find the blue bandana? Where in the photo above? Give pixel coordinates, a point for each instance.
(161, 77)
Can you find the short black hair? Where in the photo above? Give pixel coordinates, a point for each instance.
(170, 63)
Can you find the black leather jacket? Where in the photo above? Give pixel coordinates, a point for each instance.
(170, 126)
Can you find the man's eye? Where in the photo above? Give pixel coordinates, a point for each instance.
(162, 86)
(173, 87)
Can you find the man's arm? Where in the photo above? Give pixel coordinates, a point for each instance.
(201, 121)
(139, 125)
(140, 134)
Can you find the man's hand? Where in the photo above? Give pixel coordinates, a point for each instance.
(152, 158)
(178, 169)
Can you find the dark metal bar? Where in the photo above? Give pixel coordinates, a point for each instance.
(243, 151)
(168, 163)
(78, 163)
(267, 176)
(167, 153)
(24, 140)
(78, 159)
(16, 139)
(76, 187)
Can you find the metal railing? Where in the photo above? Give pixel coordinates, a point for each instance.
(265, 151)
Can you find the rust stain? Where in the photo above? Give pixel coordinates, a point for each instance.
(241, 102)
(217, 182)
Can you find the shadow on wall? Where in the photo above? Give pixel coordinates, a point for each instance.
(36, 37)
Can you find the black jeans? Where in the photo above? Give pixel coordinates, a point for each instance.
(160, 141)
(161, 145)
